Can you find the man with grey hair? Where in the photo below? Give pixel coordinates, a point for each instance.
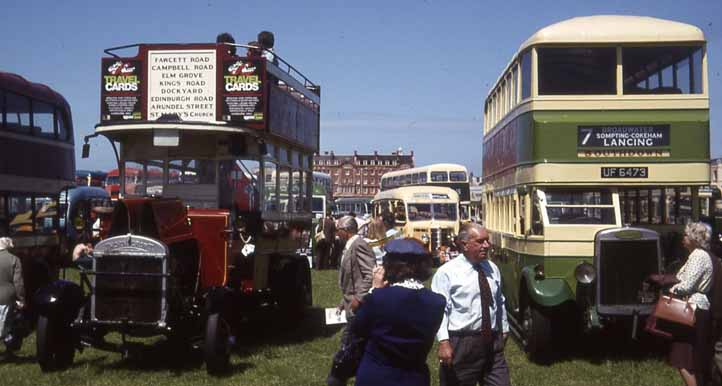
(355, 273)
(474, 328)
(12, 291)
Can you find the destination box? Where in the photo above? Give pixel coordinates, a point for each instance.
(623, 136)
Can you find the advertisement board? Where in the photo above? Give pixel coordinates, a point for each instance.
(121, 89)
(243, 90)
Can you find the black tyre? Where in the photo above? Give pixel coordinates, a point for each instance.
(55, 349)
(537, 329)
(295, 292)
(216, 347)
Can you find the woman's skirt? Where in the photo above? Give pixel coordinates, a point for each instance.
(693, 350)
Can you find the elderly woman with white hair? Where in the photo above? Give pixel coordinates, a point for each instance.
(12, 290)
(690, 351)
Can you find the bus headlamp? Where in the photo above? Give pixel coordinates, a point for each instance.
(425, 238)
(585, 273)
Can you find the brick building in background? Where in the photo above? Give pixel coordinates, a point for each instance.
(359, 175)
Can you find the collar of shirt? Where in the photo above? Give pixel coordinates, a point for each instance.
(349, 242)
(410, 284)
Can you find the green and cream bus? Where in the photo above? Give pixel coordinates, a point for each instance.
(452, 176)
(427, 213)
(596, 143)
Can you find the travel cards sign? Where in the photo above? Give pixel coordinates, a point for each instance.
(623, 141)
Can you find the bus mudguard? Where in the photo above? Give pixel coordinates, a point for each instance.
(61, 297)
(547, 292)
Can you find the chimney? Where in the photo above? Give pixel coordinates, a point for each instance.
(376, 153)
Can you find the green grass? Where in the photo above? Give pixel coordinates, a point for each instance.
(288, 353)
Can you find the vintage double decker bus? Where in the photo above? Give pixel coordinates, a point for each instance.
(205, 234)
(452, 176)
(596, 123)
(37, 163)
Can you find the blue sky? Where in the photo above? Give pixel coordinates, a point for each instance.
(410, 74)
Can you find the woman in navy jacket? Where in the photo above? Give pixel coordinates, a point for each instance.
(400, 319)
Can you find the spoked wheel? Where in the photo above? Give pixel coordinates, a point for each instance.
(216, 347)
(536, 326)
(54, 345)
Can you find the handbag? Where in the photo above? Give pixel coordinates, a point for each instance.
(675, 310)
(347, 360)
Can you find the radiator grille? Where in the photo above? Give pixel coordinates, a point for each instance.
(129, 288)
(623, 266)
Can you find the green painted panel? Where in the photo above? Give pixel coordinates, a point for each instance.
(555, 133)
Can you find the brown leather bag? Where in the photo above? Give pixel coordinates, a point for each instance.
(675, 310)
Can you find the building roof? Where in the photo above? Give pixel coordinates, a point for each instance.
(615, 29)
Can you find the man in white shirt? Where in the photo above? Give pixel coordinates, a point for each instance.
(474, 329)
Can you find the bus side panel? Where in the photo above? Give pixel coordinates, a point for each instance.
(208, 227)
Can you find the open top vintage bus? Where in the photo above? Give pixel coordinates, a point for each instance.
(427, 213)
(206, 234)
(37, 162)
(596, 123)
(452, 176)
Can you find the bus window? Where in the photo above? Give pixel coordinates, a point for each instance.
(569, 71)
(296, 188)
(457, 176)
(283, 182)
(537, 225)
(3, 218)
(46, 212)
(439, 177)
(63, 130)
(17, 109)
(154, 185)
(415, 178)
(422, 178)
(270, 198)
(20, 213)
(579, 207)
(43, 122)
(399, 211)
(662, 70)
(526, 75)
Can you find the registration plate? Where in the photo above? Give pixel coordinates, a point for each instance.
(625, 172)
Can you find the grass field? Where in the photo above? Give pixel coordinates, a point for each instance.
(284, 353)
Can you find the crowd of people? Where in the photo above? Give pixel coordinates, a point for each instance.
(396, 319)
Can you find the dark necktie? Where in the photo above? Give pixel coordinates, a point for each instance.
(485, 303)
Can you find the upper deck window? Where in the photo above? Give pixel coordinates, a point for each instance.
(43, 119)
(439, 177)
(526, 75)
(457, 176)
(17, 112)
(577, 71)
(662, 70)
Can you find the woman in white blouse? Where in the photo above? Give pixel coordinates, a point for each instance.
(691, 353)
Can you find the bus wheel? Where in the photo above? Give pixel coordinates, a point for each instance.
(54, 346)
(537, 328)
(216, 347)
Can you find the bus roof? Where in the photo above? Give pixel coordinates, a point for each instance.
(419, 169)
(22, 86)
(611, 29)
(615, 29)
(419, 193)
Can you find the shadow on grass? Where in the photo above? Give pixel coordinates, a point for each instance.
(267, 328)
(12, 359)
(614, 343)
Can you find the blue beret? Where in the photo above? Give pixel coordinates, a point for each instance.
(404, 248)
